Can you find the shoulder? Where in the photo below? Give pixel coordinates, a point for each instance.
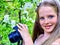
(38, 38)
(56, 42)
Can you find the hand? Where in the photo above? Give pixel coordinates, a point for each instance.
(22, 28)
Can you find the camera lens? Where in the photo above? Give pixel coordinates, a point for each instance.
(14, 37)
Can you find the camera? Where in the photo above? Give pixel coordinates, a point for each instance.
(15, 36)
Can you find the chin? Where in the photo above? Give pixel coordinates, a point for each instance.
(49, 30)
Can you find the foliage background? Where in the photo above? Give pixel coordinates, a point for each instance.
(12, 8)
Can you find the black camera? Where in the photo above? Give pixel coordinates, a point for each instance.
(15, 36)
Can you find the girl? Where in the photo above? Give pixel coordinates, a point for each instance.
(47, 26)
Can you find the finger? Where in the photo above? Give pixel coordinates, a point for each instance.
(22, 26)
(25, 26)
(19, 27)
(19, 30)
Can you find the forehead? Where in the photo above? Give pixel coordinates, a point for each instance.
(46, 10)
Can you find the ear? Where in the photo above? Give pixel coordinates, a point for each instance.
(56, 42)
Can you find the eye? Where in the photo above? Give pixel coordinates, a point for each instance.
(41, 18)
(50, 16)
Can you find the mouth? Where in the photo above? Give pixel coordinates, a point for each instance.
(48, 26)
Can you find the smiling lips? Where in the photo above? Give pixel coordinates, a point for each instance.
(48, 27)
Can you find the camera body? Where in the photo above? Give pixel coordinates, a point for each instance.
(15, 36)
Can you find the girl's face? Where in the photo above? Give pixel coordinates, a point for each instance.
(47, 18)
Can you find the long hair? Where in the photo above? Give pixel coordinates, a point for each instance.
(37, 28)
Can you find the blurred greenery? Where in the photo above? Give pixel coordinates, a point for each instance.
(12, 9)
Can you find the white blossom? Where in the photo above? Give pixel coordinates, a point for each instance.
(28, 5)
(6, 19)
(13, 23)
(35, 0)
(32, 20)
(25, 12)
(21, 8)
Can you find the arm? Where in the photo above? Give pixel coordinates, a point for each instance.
(27, 42)
(57, 42)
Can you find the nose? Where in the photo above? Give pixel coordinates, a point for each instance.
(46, 21)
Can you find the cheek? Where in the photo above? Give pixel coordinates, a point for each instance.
(41, 22)
(54, 20)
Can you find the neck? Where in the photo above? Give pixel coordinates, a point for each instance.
(47, 34)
